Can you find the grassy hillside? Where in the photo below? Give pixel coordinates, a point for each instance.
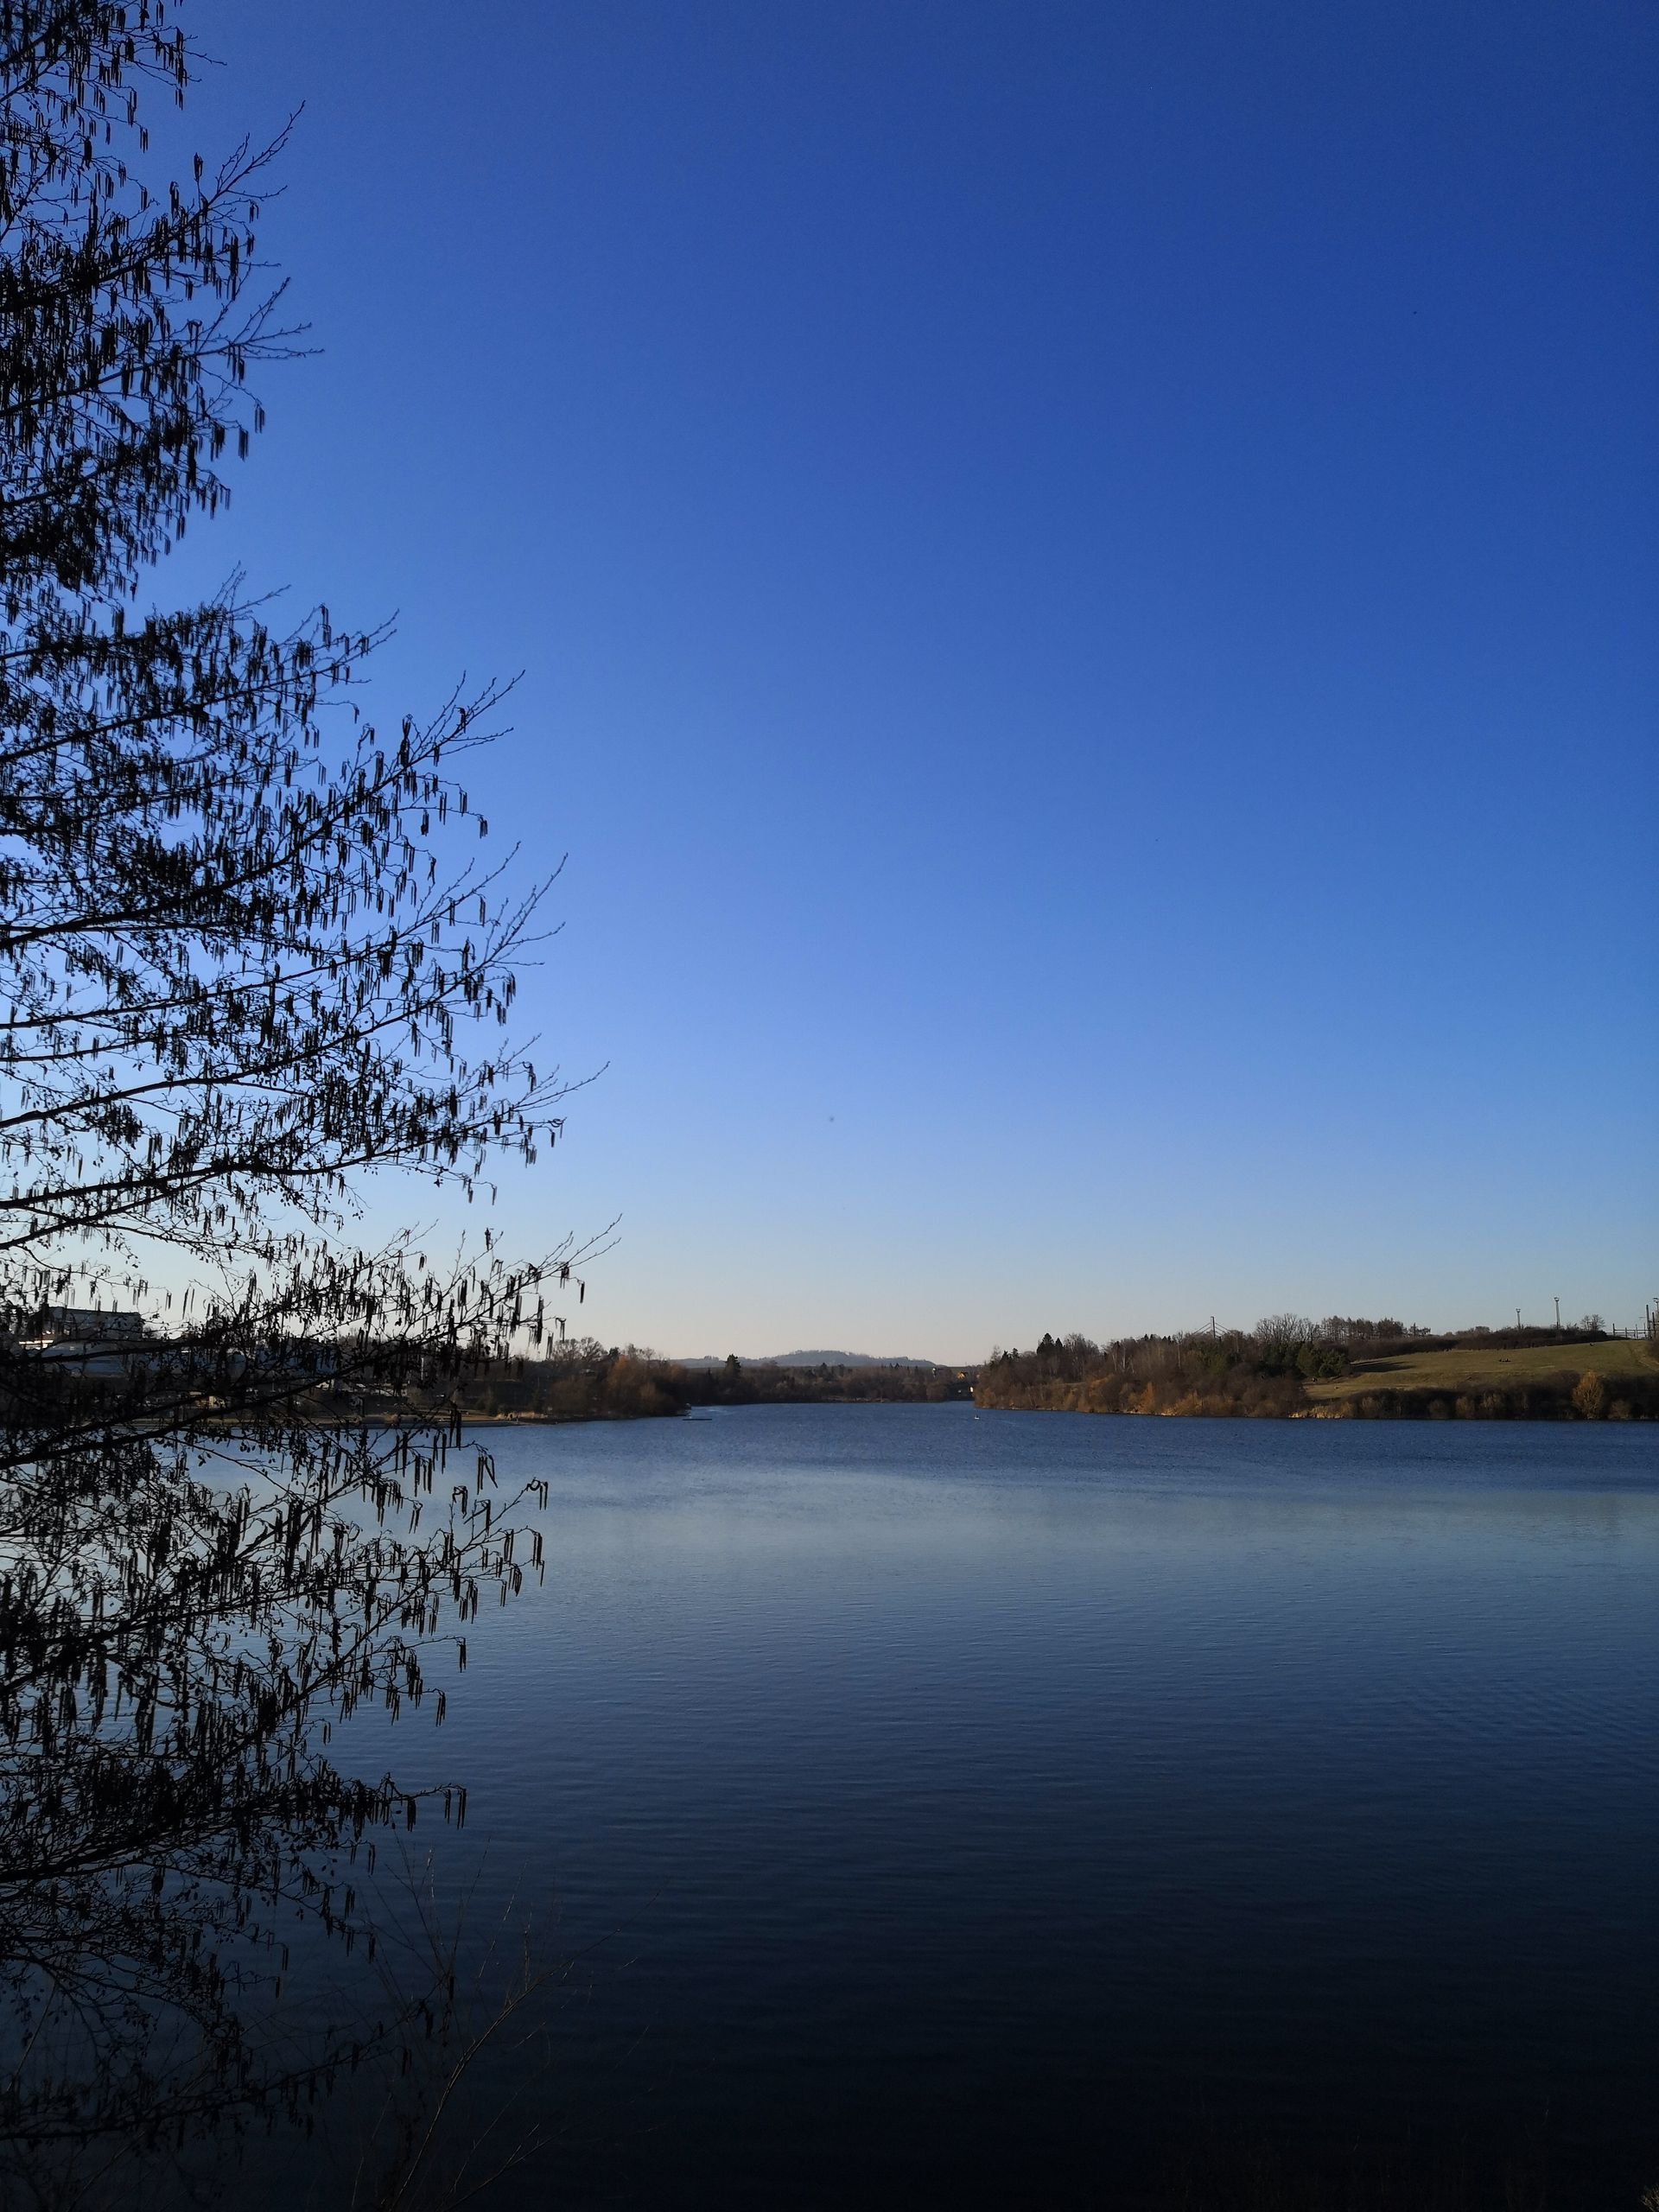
(1474, 1367)
(1290, 1368)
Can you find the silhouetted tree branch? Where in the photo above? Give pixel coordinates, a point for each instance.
(244, 961)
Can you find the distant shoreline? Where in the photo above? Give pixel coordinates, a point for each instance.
(1520, 1375)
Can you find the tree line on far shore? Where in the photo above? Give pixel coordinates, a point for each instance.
(584, 1380)
(1265, 1372)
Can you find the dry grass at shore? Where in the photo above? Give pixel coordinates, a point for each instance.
(1473, 1367)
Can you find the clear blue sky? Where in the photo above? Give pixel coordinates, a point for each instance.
(1085, 579)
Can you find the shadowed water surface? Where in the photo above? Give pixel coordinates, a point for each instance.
(951, 1804)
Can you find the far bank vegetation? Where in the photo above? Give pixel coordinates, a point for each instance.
(1340, 1368)
(584, 1380)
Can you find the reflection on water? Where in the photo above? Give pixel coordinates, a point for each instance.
(931, 1806)
(183, 1624)
(935, 1799)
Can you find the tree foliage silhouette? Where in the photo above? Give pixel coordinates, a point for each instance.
(248, 951)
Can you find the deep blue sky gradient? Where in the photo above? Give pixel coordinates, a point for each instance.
(1085, 580)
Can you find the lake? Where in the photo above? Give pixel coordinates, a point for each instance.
(1056, 1809)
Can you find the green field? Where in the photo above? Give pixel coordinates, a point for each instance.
(1472, 1367)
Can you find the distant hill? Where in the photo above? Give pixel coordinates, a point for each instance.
(812, 1359)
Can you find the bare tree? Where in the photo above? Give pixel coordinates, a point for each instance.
(1284, 1330)
(245, 960)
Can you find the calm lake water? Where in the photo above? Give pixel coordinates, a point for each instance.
(950, 1806)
